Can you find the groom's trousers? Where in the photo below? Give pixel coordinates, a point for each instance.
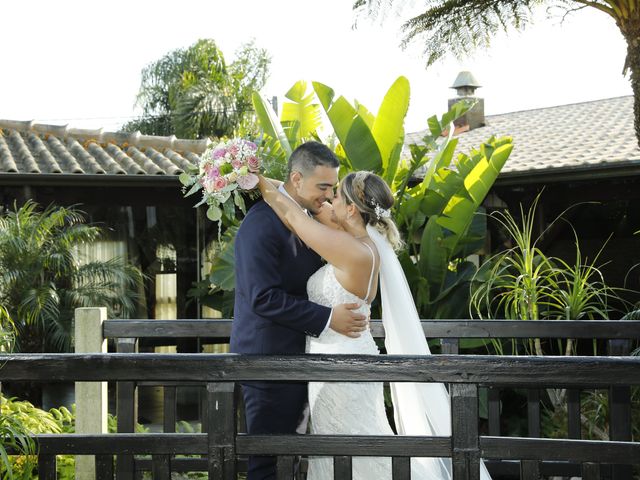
(271, 409)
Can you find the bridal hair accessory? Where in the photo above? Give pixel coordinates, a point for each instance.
(381, 212)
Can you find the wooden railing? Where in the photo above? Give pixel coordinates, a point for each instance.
(528, 457)
(617, 335)
(221, 444)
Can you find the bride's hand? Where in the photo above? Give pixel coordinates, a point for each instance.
(325, 216)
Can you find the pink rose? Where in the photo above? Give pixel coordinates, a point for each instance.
(251, 145)
(236, 163)
(248, 181)
(219, 183)
(233, 150)
(207, 184)
(219, 153)
(253, 163)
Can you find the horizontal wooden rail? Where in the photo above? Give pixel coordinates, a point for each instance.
(510, 448)
(351, 445)
(576, 371)
(503, 448)
(123, 443)
(498, 448)
(605, 329)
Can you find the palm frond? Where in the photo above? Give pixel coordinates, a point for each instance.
(452, 26)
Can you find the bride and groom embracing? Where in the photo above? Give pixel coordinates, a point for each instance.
(287, 302)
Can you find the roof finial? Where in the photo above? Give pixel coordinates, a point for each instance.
(466, 84)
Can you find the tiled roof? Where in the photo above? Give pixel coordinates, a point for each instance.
(29, 148)
(572, 138)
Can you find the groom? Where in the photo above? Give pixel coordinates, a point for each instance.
(272, 313)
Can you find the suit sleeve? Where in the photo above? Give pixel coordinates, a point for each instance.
(258, 250)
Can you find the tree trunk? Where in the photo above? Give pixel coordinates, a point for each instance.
(631, 31)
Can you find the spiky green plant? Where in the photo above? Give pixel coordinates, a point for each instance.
(42, 280)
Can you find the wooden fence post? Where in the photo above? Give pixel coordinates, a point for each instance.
(126, 411)
(221, 430)
(620, 411)
(464, 431)
(91, 397)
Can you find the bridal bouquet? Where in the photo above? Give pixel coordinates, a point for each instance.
(225, 170)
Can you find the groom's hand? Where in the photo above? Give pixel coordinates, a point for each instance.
(347, 322)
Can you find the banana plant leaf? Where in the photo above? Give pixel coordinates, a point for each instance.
(301, 117)
(444, 185)
(388, 129)
(222, 273)
(475, 236)
(458, 213)
(434, 256)
(269, 122)
(351, 129)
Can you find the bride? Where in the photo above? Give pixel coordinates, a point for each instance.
(357, 237)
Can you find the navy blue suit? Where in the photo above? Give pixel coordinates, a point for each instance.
(272, 315)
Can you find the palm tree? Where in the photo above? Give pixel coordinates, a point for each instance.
(194, 93)
(459, 26)
(42, 281)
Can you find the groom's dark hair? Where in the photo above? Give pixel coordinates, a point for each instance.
(310, 155)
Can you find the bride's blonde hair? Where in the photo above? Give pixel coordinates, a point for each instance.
(373, 198)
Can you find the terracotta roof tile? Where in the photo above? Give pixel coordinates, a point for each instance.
(32, 148)
(87, 161)
(7, 163)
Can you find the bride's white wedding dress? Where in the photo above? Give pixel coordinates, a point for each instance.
(358, 408)
(351, 408)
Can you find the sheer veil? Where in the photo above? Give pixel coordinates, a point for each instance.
(419, 408)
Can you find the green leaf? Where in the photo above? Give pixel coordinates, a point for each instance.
(388, 129)
(196, 187)
(269, 121)
(368, 117)
(238, 199)
(229, 210)
(440, 160)
(214, 213)
(301, 117)
(354, 134)
(461, 207)
(434, 256)
(222, 272)
(324, 93)
(457, 110)
(185, 179)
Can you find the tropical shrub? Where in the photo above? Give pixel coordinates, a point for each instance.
(523, 283)
(14, 432)
(42, 281)
(437, 215)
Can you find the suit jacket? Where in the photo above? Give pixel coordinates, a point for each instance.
(272, 314)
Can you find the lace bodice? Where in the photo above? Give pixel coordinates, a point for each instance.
(323, 288)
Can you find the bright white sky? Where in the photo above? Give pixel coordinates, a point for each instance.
(79, 62)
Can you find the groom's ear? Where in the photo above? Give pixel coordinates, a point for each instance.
(295, 178)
